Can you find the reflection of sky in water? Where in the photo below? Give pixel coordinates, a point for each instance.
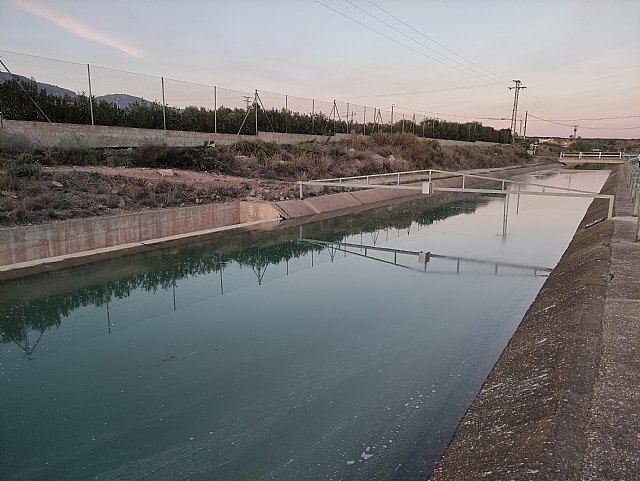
(350, 369)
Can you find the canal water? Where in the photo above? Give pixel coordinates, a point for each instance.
(258, 356)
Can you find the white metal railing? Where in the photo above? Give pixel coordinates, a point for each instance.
(393, 181)
(595, 155)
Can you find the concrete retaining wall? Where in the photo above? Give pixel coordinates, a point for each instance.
(45, 135)
(25, 244)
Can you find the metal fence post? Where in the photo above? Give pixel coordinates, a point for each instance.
(90, 95)
(313, 116)
(164, 114)
(215, 109)
(347, 130)
(255, 105)
(364, 121)
(392, 118)
(286, 113)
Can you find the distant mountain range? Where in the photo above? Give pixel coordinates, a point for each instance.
(121, 100)
(50, 89)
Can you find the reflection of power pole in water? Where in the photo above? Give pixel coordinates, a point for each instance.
(108, 318)
(174, 293)
(505, 215)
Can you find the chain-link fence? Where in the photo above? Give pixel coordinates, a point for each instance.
(43, 89)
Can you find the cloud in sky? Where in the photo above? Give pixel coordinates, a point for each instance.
(77, 27)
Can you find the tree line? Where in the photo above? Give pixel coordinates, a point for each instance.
(23, 100)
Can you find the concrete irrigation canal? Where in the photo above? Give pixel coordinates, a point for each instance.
(459, 335)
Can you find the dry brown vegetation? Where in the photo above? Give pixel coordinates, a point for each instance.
(42, 186)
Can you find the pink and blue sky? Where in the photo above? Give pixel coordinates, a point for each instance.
(580, 59)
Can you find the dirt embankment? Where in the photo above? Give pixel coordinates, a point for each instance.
(46, 186)
(530, 419)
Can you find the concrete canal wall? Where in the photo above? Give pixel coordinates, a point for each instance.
(46, 135)
(30, 244)
(351, 200)
(31, 249)
(562, 401)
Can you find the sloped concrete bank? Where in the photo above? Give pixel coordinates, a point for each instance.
(356, 200)
(31, 249)
(562, 403)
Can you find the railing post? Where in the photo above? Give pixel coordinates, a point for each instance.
(464, 176)
(610, 213)
(398, 183)
(301, 190)
(215, 109)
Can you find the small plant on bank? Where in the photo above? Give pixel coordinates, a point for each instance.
(24, 166)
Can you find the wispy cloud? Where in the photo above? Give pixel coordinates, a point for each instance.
(75, 26)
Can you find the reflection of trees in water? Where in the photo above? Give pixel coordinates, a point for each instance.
(256, 250)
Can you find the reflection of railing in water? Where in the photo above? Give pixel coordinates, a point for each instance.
(423, 257)
(36, 313)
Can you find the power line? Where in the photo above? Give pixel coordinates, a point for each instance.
(417, 92)
(417, 41)
(550, 121)
(601, 118)
(398, 42)
(537, 103)
(437, 43)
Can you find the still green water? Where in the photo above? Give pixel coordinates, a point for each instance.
(259, 357)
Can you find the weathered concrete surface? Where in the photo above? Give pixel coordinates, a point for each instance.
(562, 402)
(24, 269)
(33, 243)
(354, 199)
(45, 135)
(292, 209)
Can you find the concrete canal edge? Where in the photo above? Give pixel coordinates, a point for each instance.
(30, 250)
(562, 401)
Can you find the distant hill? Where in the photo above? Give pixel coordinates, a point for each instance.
(50, 89)
(123, 100)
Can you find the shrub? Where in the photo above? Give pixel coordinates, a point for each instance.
(24, 166)
(14, 144)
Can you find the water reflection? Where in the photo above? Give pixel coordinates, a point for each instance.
(260, 357)
(52, 297)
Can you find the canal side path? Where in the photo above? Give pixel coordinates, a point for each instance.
(562, 402)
